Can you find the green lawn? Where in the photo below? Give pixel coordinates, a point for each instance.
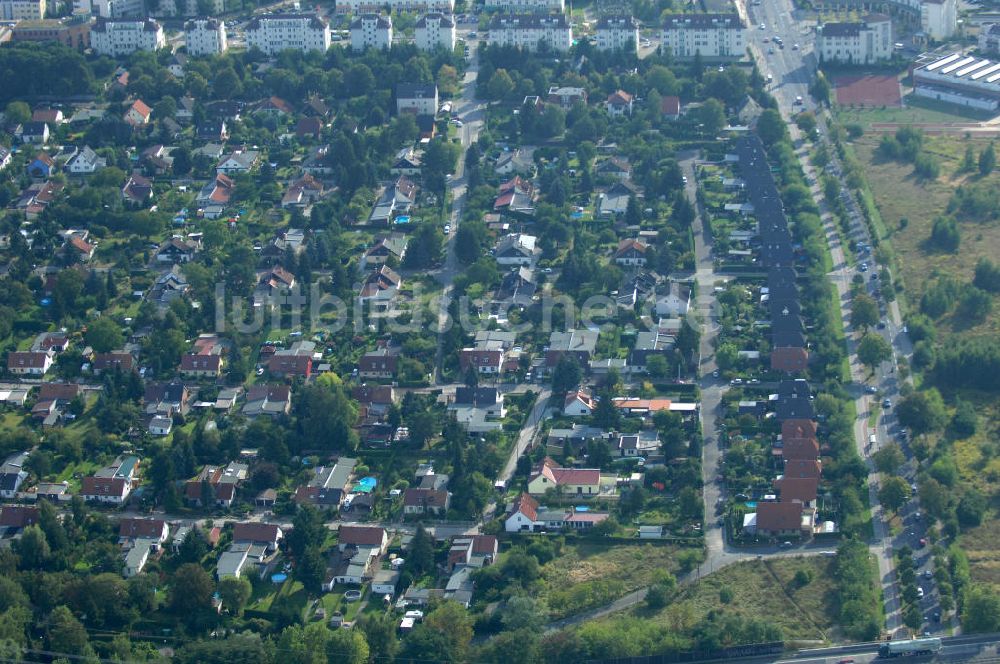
(916, 110)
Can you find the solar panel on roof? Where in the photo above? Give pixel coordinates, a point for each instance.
(943, 61)
(973, 67)
(955, 65)
(985, 72)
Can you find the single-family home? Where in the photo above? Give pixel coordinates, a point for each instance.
(238, 161)
(35, 132)
(137, 190)
(112, 484)
(329, 485)
(426, 501)
(270, 400)
(517, 249)
(85, 162)
(12, 474)
(474, 551)
(133, 528)
(199, 365)
(614, 201)
(138, 114)
(15, 518)
(567, 481)
(380, 363)
(619, 103)
(631, 253)
(670, 107)
(390, 247)
(578, 344)
(579, 404)
(29, 363)
(215, 484)
(362, 536)
(42, 166)
(268, 534)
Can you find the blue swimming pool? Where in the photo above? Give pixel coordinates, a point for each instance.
(752, 504)
(404, 219)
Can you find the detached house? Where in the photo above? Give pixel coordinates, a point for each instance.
(517, 249)
(42, 166)
(631, 253)
(579, 404)
(137, 190)
(381, 286)
(215, 484)
(85, 162)
(138, 114)
(238, 161)
(426, 501)
(175, 250)
(270, 400)
(619, 103)
(362, 536)
(380, 363)
(29, 363)
(112, 484)
(567, 481)
(386, 248)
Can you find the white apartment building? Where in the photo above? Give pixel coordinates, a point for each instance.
(116, 38)
(118, 8)
(616, 33)
(861, 43)
(371, 31)
(274, 33)
(939, 18)
(714, 36)
(529, 31)
(205, 36)
(22, 10)
(435, 30)
(527, 5)
(356, 7)
(416, 98)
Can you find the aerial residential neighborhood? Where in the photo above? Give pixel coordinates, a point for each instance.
(520, 330)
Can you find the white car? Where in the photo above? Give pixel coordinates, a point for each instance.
(447, 229)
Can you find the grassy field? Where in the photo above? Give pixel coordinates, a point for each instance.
(900, 195)
(916, 110)
(586, 575)
(758, 589)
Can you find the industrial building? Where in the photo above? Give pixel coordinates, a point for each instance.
(960, 79)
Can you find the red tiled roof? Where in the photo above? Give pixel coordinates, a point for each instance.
(803, 468)
(799, 448)
(620, 98)
(670, 105)
(192, 362)
(30, 359)
(18, 516)
(103, 486)
(779, 516)
(802, 489)
(361, 535)
(140, 107)
(60, 391)
(526, 505)
(798, 428)
(296, 365)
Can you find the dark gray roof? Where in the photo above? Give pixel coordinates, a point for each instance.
(617, 23)
(444, 20)
(415, 90)
(842, 29)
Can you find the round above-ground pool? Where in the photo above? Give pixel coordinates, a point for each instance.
(279, 578)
